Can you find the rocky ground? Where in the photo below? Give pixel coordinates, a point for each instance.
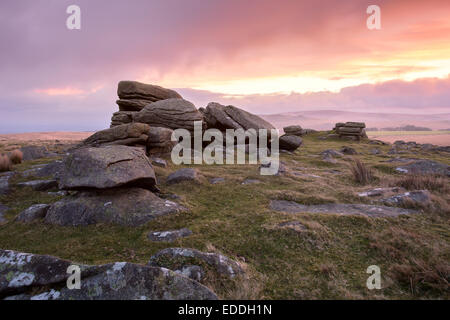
(309, 232)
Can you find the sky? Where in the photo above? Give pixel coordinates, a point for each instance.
(263, 56)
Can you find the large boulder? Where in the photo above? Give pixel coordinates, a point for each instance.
(170, 113)
(129, 207)
(107, 167)
(293, 130)
(41, 277)
(142, 91)
(122, 117)
(159, 140)
(290, 143)
(230, 117)
(35, 212)
(125, 134)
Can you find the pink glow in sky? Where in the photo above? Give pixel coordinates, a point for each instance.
(264, 56)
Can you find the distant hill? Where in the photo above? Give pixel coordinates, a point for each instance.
(326, 119)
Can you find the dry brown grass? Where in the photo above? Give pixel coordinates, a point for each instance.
(422, 182)
(361, 173)
(16, 156)
(5, 163)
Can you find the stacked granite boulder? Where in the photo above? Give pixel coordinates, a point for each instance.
(352, 130)
(291, 140)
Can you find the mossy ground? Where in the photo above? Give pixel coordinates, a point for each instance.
(328, 260)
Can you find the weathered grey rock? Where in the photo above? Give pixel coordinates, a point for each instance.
(3, 210)
(138, 90)
(425, 167)
(290, 143)
(421, 197)
(169, 236)
(348, 151)
(216, 180)
(125, 134)
(331, 153)
(159, 162)
(181, 175)
(130, 207)
(230, 117)
(39, 185)
(122, 117)
(22, 274)
(293, 130)
(53, 169)
(4, 182)
(35, 212)
(250, 181)
(372, 211)
(107, 167)
(379, 192)
(159, 140)
(220, 263)
(194, 272)
(36, 152)
(170, 113)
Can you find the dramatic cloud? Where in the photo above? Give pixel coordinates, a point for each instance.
(53, 78)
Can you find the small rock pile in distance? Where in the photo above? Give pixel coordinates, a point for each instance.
(351, 130)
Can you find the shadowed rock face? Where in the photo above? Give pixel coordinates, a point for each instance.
(22, 274)
(129, 207)
(35, 212)
(170, 113)
(290, 143)
(230, 117)
(339, 209)
(107, 167)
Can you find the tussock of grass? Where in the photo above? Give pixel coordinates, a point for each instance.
(422, 182)
(16, 156)
(5, 163)
(361, 173)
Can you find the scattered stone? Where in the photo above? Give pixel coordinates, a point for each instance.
(230, 117)
(220, 263)
(39, 185)
(250, 181)
(293, 225)
(181, 175)
(22, 274)
(169, 236)
(290, 143)
(107, 167)
(421, 197)
(193, 272)
(329, 159)
(125, 134)
(58, 193)
(348, 151)
(3, 210)
(217, 180)
(375, 151)
(129, 207)
(379, 192)
(35, 212)
(36, 152)
(331, 153)
(159, 162)
(425, 167)
(4, 182)
(340, 209)
(170, 113)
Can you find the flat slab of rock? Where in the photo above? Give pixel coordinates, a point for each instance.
(125, 134)
(379, 192)
(127, 206)
(138, 90)
(22, 274)
(250, 181)
(220, 263)
(170, 113)
(419, 196)
(182, 175)
(33, 213)
(425, 167)
(39, 185)
(170, 235)
(107, 167)
(339, 209)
